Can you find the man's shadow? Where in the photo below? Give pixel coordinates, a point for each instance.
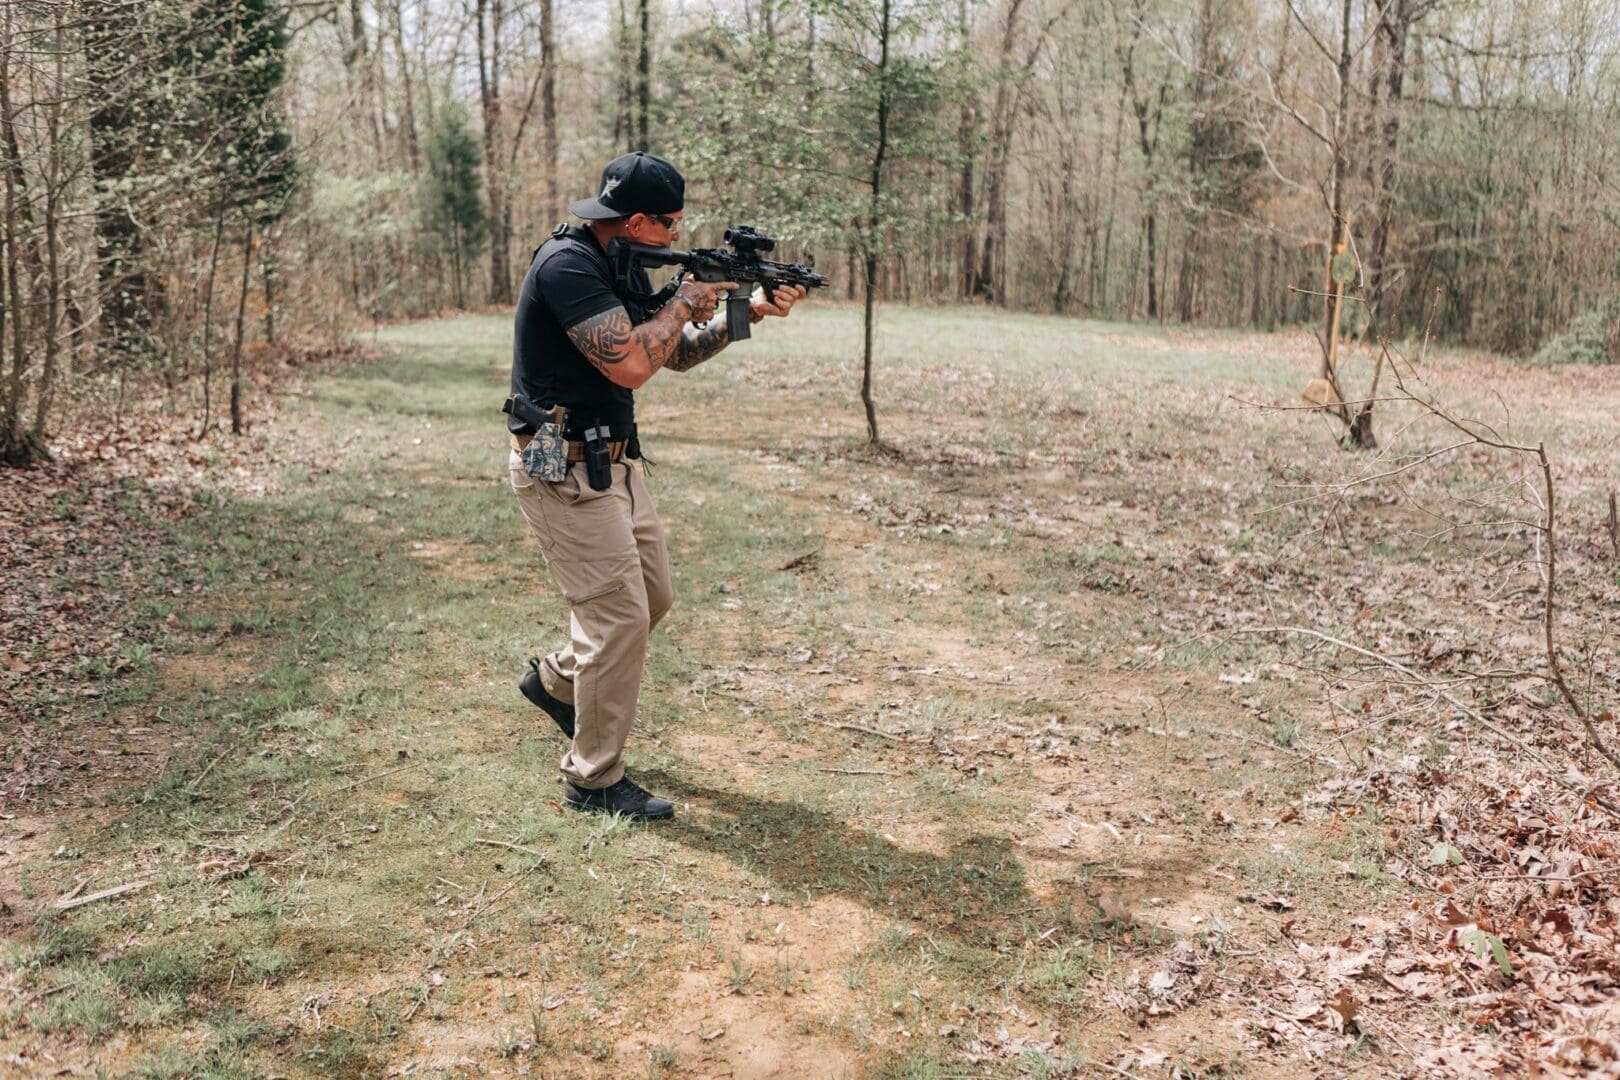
(975, 892)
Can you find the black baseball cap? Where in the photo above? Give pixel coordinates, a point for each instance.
(635, 183)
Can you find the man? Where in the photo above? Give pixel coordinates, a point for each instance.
(583, 346)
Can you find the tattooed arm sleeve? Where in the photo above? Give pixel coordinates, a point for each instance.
(629, 355)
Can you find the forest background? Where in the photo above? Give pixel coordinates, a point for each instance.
(189, 186)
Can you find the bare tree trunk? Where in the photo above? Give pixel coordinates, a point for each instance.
(623, 124)
(237, 427)
(874, 220)
(644, 77)
(489, 92)
(358, 60)
(208, 322)
(412, 142)
(1148, 115)
(989, 283)
(1394, 29)
(17, 447)
(548, 111)
(267, 275)
(53, 243)
(968, 279)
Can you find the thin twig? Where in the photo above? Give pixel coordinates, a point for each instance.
(1549, 610)
(869, 731)
(512, 847)
(192, 787)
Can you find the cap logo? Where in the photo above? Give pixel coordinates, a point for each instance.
(608, 185)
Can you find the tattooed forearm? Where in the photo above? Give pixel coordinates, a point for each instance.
(697, 345)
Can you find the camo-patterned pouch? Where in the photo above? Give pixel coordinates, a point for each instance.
(545, 458)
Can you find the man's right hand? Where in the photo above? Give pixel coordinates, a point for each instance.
(704, 296)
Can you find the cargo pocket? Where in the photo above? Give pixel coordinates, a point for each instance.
(595, 594)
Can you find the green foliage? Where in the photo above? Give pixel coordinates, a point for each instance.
(452, 190)
(1345, 267)
(1592, 337)
(451, 195)
(1445, 855)
(799, 157)
(242, 44)
(1485, 944)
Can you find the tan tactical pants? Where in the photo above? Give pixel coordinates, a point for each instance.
(605, 550)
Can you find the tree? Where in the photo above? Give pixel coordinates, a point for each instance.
(887, 108)
(452, 202)
(489, 93)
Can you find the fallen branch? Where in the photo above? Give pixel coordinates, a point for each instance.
(1555, 772)
(67, 903)
(511, 847)
(192, 787)
(869, 731)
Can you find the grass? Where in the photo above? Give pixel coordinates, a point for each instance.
(1004, 606)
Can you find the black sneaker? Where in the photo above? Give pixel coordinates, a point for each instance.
(532, 689)
(626, 797)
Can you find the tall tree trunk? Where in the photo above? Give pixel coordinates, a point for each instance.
(237, 427)
(17, 445)
(874, 221)
(548, 112)
(412, 141)
(1360, 431)
(1148, 145)
(968, 278)
(1394, 30)
(359, 61)
(208, 322)
(53, 242)
(624, 132)
(489, 92)
(989, 283)
(644, 77)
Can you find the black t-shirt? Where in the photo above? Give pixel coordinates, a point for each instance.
(569, 281)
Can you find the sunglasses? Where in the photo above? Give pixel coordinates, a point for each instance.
(664, 219)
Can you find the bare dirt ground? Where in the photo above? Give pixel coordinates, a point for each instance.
(989, 757)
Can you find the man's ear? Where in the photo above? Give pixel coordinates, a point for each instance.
(633, 226)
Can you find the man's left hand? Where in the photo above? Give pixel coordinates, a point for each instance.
(783, 297)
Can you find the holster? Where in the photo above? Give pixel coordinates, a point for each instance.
(598, 458)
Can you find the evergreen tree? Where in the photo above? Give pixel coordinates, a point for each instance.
(452, 200)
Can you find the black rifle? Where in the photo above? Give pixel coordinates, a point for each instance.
(741, 264)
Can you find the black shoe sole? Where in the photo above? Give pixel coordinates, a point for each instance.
(559, 712)
(597, 808)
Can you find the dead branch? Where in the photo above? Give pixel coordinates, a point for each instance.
(1549, 609)
(66, 904)
(1448, 697)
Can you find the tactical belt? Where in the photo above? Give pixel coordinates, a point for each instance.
(575, 451)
